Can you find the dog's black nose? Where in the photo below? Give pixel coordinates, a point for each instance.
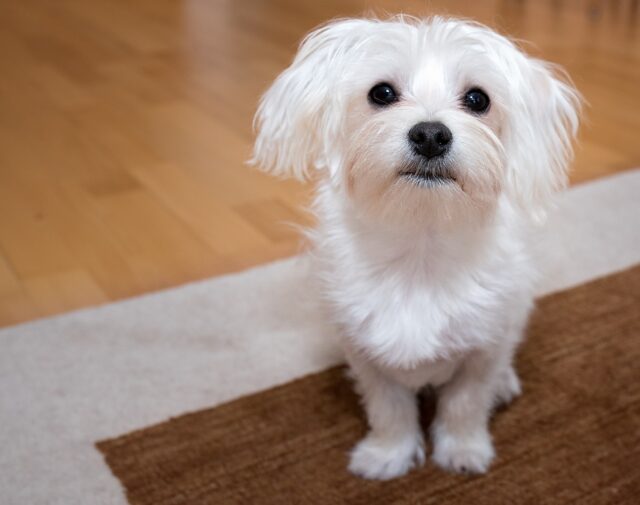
(430, 139)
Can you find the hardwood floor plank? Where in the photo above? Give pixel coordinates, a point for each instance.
(62, 291)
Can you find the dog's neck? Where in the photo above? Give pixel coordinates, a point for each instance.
(442, 250)
(432, 249)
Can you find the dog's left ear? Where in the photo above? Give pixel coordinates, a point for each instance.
(542, 127)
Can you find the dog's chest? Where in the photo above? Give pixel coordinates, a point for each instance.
(404, 323)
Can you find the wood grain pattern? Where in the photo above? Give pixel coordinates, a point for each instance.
(124, 127)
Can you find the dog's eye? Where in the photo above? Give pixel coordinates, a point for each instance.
(476, 101)
(383, 94)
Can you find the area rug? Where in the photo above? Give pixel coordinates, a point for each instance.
(71, 381)
(573, 438)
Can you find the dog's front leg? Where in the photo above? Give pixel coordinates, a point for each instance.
(460, 432)
(394, 443)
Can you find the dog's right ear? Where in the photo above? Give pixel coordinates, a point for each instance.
(300, 115)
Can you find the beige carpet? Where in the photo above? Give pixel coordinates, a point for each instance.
(70, 381)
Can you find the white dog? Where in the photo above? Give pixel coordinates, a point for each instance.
(440, 144)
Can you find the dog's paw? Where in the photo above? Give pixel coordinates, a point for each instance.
(507, 388)
(375, 458)
(471, 454)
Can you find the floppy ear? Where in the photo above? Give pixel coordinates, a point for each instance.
(299, 116)
(542, 126)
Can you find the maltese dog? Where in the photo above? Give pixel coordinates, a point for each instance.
(439, 145)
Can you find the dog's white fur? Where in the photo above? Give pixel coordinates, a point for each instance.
(431, 284)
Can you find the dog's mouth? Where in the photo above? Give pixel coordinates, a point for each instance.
(425, 175)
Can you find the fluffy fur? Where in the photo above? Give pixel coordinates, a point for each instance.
(431, 283)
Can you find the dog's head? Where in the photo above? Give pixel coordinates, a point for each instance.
(420, 120)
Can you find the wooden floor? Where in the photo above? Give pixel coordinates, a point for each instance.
(124, 126)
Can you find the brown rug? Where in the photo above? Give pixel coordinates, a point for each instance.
(574, 436)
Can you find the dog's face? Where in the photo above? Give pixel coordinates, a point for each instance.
(419, 121)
